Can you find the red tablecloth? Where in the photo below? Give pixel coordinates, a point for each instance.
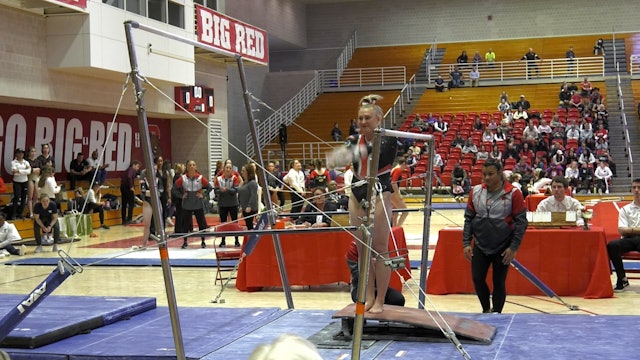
(532, 201)
(310, 259)
(572, 262)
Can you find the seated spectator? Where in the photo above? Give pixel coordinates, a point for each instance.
(439, 84)
(504, 106)
(496, 154)
(586, 133)
(336, 133)
(94, 203)
(487, 135)
(492, 125)
(523, 103)
(585, 177)
(463, 58)
(564, 98)
(458, 141)
(603, 175)
(520, 113)
(544, 129)
(572, 173)
(605, 156)
(474, 77)
(554, 170)
(456, 78)
(482, 154)
(576, 101)
(558, 159)
(477, 58)
(8, 236)
(337, 197)
(601, 133)
(587, 157)
(320, 204)
(572, 132)
(45, 221)
(530, 134)
(522, 167)
(460, 183)
(79, 169)
(602, 114)
(499, 136)
(469, 147)
(100, 168)
(441, 126)
(571, 155)
(585, 87)
(602, 144)
(512, 151)
(540, 182)
(437, 161)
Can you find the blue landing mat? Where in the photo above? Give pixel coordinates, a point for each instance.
(232, 333)
(149, 336)
(60, 317)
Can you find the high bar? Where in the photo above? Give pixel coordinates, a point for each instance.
(405, 134)
(264, 232)
(169, 35)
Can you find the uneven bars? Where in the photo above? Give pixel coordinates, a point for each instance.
(169, 35)
(265, 232)
(403, 134)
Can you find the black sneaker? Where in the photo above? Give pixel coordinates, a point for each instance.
(620, 285)
(222, 244)
(203, 245)
(185, 245)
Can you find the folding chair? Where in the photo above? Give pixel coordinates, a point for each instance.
(227, 254)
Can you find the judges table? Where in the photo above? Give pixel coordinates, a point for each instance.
(572, 262)
(311, 259)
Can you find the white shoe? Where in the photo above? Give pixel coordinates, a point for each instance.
(169, 222)
(38, 249)
(22, 250)
(55, 248)
(606, 191)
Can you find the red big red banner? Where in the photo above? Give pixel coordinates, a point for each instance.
(231, 35)
(70, 132)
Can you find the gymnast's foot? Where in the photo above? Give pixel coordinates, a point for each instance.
(376, 309)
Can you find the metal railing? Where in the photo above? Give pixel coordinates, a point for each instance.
(634, 64)
(347, 52)
(362, 77)
(525, 70)
(625, 126)
(268, 129)
(306, 152)
(397, 110)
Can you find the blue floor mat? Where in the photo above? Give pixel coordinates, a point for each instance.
(60, 317)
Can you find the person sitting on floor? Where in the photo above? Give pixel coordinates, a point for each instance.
(9, 235)
(393, 296)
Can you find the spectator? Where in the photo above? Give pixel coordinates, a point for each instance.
(586, 133)
(463, 58)
(605, 156)
(9, 235)
(191, 186)
(504, 106)
(483, 153)
(95, 204)
(353, 128)
(603, 177)
(587, 157)
(469, 147)
(558, 159)
(319, 176)
(490, 58)
(127, 187)
(585, 87)
(522, 167)
(336, 133)
(248, 196)
(495, 153)
(629, 229)
(530, 134)
(504, 96)
(474, 76)
(439, 84)
(20, 169)
(523, 103)
(477, 59)
(45, 220)
(576, 101)
(492, 125)
(47, 185)
(295, 179)
(585, 176)
(441, 126)
(460, 183)
(531, 57)
(79, 169)
(598, 48)
(99, 167)
(458, 141)
(32, 193)
(601, 133)
(544, 129)
(487, 135)
(572, 173)
(570, 55)
(564, 98)
(477, 124)
(456, 78)
(226, 190)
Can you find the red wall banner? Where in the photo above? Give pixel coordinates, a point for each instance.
(69, 132)
(231, 35)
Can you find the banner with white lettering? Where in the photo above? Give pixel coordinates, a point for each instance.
(231, 35)
(70, 132)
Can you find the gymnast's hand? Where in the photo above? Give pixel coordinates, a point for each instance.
(468, 252)
(508, 255)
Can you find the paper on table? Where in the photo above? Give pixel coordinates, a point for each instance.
(542, 216)
(571, 216)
